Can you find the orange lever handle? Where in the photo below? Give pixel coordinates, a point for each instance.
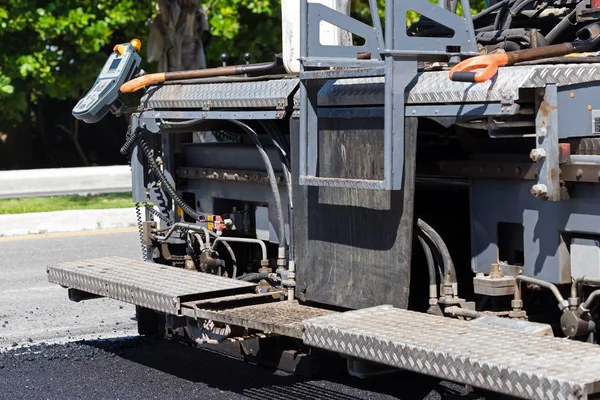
(487, 64)
(139, 83)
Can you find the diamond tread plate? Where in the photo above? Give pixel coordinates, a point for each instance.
(514, 363)
(281, 317)
(146, 284)
(436, 87)
(268, 94)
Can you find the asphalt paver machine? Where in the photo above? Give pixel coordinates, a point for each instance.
(409, 196)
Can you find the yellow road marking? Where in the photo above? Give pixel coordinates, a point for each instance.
(66, 234)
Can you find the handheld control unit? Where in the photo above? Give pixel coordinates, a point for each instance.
(122, 65)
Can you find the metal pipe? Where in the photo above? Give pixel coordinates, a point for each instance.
(592, 297)
(590, 159)
(242, 240)
(160, 77)
(228, 247)
(584, 280)
(462, 312)
(179, 225)
(562, 303)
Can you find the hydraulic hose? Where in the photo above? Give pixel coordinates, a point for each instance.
(449, 270)
(284, 152)
(560, 27)
(430, 268)
(273, 183)
(166, 185)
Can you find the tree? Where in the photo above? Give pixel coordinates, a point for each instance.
(52, 51)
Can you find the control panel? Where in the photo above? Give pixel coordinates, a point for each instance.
(122, 65)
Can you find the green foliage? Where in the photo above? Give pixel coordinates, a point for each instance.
(238, 26)
(54, 48)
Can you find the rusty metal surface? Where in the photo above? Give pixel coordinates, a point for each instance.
(281, 317)
(502, 360)
(154, 286)
(235, 175)
(574, 172)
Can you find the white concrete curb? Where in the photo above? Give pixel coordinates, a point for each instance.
(64, 181)
(66, 221)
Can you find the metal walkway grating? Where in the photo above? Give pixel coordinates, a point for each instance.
(280, 317)
(146, 284)
(514, 363)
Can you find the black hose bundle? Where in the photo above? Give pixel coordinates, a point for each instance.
(165, 184)
(440, 249)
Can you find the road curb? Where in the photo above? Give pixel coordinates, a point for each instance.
(66, 221)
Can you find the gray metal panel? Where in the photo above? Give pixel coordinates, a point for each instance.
(260, 94)
(154, 286)
(353, 246)
(497, 359)
(436, 87)
(546, 255)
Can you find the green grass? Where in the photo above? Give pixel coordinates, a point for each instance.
(43, 204)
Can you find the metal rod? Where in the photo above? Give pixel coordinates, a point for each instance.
(592, 297)
(562, 303)
(179, 225)
(242, 240)
(584, 280)
(462, 312)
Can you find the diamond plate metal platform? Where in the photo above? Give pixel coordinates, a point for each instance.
(154, 286)
(265, 94)
(435, 87)
(514, 363)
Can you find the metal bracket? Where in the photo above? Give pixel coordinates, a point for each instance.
(399, 43)
(546, 154)
(401, 56)
(318, 13)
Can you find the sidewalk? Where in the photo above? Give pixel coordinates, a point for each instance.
(66, 221)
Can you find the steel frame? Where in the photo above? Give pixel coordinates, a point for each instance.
(400, 56)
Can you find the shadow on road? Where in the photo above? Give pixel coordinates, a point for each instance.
(257, 382)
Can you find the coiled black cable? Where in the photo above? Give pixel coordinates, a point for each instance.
(165, 184)
(140, 224)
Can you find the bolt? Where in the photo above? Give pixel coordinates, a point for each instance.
(572, 94)
(539, 190)
(537, 155)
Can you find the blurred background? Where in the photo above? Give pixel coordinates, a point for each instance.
(52, 50)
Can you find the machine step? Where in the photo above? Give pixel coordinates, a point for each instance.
(279, 317)
(497, 359)
(155, 286)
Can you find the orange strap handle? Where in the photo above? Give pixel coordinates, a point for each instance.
(488, 64)
(139, 83)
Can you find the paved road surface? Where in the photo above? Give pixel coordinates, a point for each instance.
(33, 310)
(43, 356)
